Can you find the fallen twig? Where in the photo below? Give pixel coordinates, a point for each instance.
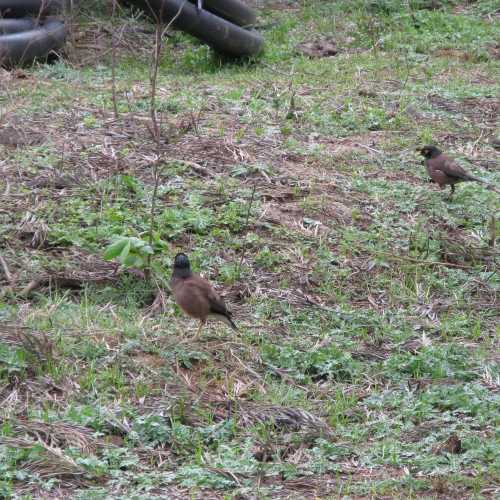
(493, 231)
(246, 225)
(200, 169)
(6, 271)
(32, 285)
(423, 262)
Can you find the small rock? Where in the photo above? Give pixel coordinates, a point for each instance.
(452, 445)
(318, 48)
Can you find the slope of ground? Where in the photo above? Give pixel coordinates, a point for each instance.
(366, 365)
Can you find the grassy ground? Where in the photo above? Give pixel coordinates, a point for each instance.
(366, 365)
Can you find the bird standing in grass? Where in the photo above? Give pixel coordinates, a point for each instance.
(195, 295)
(445, 171)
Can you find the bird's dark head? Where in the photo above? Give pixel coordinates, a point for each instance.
(181, 261)
(429, 151)
(182, 267)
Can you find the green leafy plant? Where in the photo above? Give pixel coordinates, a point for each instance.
(12, 361)
(129, 251)
(151, 429)
(133, 252)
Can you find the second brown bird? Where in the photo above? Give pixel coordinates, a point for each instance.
(443, 170)
(195, 295)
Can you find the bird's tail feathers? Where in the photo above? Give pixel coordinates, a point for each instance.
(489, 186)
(225, 319)
(475, 179)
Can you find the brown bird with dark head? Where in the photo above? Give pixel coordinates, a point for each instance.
(445, 171)
(195, 295)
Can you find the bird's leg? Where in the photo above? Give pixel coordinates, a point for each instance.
(200, 328)
(452, 190)
(199, 5)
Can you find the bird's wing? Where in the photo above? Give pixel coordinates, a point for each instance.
(217, 305)
(219, 310)
(197, 297)
(453, 169)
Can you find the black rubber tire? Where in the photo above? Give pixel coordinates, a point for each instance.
(233, 11)
(8, 26)
(23, 48)
(224, 37)
(20, 8)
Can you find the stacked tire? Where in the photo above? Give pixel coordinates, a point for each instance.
(30, 30)
(225, 25)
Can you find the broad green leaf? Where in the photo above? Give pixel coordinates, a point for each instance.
(136, 242)
(147, 249)
(125, 251)
(115, 249)
(133, 260)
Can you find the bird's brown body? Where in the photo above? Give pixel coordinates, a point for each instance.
(443, 170)
(195, 295)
